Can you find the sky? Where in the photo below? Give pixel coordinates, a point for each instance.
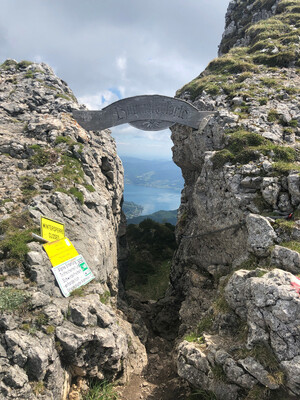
(107, 50)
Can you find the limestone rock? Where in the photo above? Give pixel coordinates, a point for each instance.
(261, 235)
(98, 352)
(287, 259)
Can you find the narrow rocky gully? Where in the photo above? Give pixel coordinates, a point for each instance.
(159, 380)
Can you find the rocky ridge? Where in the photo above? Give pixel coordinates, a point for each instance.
(233, 275)
(50, 166)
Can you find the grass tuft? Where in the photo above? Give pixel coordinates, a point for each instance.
(101, 391)
(13, 299)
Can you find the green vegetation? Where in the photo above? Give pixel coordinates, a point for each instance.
(38, 388)
(258, 393)
(201, 394)
(13, 299)
(79, 292)
(42, 157)
(101, 391)
(204, 325)
(17, 233)
(90, 188)
(65, 139)
(77, 194)
(243, 147)
(31, 329)
(62, 96)
(70, 174)
(104, 297)
(262, 353)
(273, 44)
(151, 247)
(283, 224)
(29, 74)
(8, 64)
(24, 64)
(292, 245)
(28, 189)
(50, 329)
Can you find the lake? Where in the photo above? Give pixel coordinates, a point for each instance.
(152, 199)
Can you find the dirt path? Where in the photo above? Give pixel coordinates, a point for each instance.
(159, 381)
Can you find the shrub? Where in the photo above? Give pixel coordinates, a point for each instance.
(13, 299)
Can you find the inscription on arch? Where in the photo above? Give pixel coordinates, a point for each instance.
(147, 112)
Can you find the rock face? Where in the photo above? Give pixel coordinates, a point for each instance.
(50, 166)
(239, 213)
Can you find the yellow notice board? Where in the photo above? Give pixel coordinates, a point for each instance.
(60, 251)
(52, 230)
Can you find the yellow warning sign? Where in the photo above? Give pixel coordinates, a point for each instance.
(52, 230)
(60, 251)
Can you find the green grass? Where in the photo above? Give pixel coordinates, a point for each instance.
(283, 167)
(292, 245)
(101, 391)
(201, 394)
(13, 300)
(243, 147)
(28, 189)
(77, 194)
(261, 353)
(38, 387)
(29, 74)
(104, 297)
(79, 292)
(239, 63)
(17, 233)
(41, 156)
(62, 96)
(90, 188)
(65, 139)
(24, 64)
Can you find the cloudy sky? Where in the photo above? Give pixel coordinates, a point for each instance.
(110, 49)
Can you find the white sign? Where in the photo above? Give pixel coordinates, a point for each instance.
(72, 274)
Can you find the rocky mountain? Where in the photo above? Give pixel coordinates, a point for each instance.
(51, 167)
(234, 277)
(230, 316)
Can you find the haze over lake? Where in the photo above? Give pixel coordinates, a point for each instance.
(152, 199)
(156, 185)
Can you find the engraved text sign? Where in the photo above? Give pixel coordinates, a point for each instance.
(147, 112)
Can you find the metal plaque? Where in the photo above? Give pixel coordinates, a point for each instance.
(147, 112)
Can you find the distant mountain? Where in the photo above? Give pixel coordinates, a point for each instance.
(132, 209)
(158, 216)
(158, 173)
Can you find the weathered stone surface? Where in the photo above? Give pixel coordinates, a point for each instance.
(97, 351)
(193, 365)
(294, 187)
(261, 235)
(258, 371)
(46, 157)
(287, 259)
(271, 305)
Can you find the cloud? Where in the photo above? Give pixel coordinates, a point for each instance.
(107, 50)
(99, 100)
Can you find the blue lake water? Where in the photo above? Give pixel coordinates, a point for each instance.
(152, 199)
